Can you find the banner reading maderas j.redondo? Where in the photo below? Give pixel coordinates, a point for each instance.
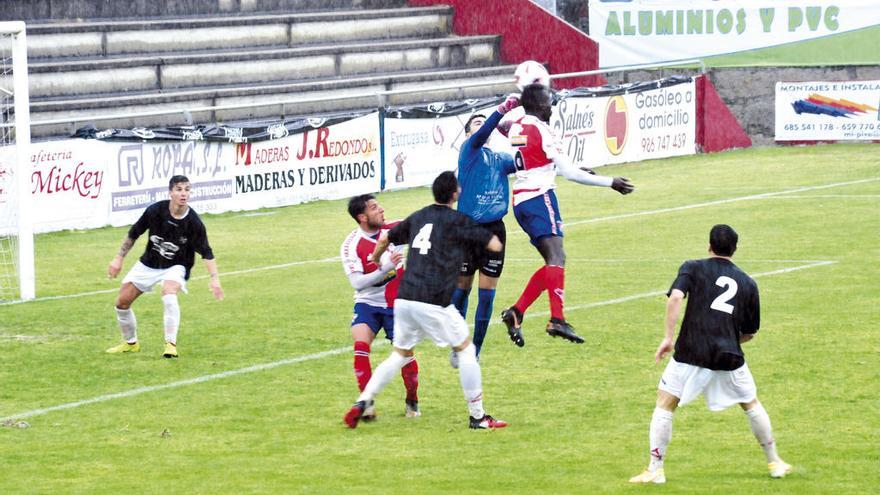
(652, 31)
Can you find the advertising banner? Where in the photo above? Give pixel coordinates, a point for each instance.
(68, 185)
(628, 125)
(422, 141)
(319, 162)
(8, 191)
(243, 133)
(828, 111)
(89, 183)
(652, 31)
(138, 175)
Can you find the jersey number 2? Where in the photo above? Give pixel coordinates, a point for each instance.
(422, 242)
(720, 302)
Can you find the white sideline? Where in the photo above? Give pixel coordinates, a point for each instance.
(578, 222)
(721, 201)
(332, 352)
(200, 277)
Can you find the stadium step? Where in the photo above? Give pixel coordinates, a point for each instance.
(91, 9)
(331, 89)
(126, 66)
(137, 73)
(121, 37)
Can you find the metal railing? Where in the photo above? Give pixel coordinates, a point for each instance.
(381, 96)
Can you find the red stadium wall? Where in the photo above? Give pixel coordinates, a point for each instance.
(528, 32)
(717, 128)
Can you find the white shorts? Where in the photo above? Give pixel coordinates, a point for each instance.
(144, 277)
(721, 388)
(413, 321)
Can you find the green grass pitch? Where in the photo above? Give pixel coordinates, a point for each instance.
(207, 423)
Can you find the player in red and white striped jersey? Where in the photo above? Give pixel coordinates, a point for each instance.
(375, 286)
(538, 159)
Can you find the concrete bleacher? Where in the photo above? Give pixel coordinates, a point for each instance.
(126, 66)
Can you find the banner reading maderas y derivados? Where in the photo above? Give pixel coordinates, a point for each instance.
(652, 31)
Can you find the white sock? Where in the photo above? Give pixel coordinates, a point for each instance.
(172, 317)
(759, 420)
(660, 436)
(127, 324)
(383, 374)
(471, 380)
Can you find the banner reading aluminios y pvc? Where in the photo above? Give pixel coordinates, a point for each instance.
(652, 31)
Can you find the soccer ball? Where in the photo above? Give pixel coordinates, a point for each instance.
(531, 72)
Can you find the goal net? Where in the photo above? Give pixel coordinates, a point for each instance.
(17, 281)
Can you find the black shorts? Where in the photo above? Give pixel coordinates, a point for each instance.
(490, 263)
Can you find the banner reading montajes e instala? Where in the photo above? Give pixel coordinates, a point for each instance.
(828, 111)
(652, 31)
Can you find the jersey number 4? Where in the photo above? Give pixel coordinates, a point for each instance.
(720, 303)
(422, 242)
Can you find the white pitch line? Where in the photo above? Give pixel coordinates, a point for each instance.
(719, 202)
(332, 352)
(831, 196)
(181, 383)
(663, 292)
(648, 260)
(257, 214)
(200, 277)
(578, 222)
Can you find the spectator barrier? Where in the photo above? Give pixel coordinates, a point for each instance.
(107, 177)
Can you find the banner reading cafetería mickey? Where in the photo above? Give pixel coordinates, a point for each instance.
(652, 31)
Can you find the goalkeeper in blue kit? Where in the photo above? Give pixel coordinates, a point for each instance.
(485, 197)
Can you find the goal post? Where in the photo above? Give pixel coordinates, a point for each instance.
(17, 276)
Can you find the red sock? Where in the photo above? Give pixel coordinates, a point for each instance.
(554, 276)
(362, 369)
(410, 374)
(533, 289)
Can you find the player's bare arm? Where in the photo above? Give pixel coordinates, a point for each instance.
(214, 277)
(745, 337)
(116, 263)
(673, 311)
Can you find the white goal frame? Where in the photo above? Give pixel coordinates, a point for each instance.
(25, 244)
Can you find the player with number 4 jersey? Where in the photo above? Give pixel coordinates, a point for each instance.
(438, 237)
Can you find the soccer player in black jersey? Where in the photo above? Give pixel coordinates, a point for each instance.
(723, 312)
(176, 234)
(439, 238)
